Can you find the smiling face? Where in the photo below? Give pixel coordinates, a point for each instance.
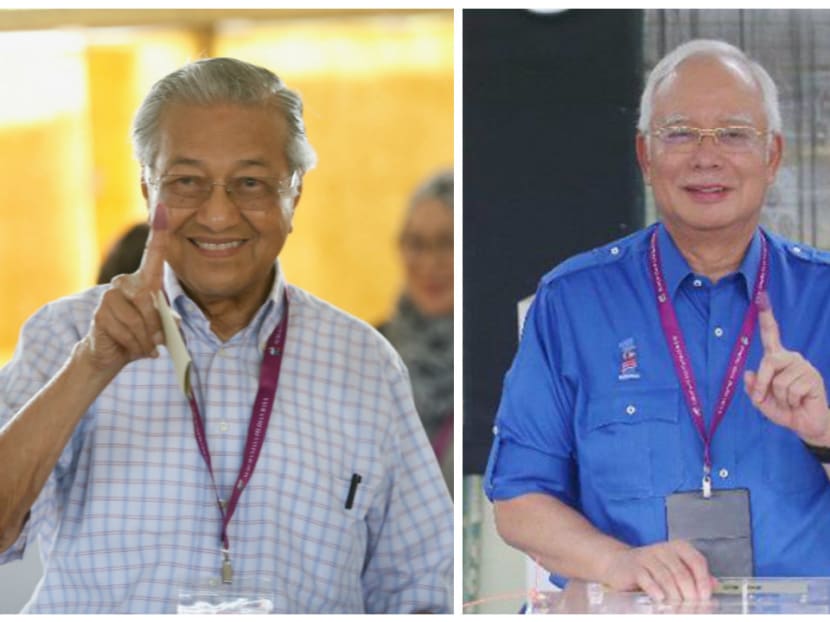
(708, 189)
(222, 254)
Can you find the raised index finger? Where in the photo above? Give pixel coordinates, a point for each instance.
(768, 327)
(152, 262)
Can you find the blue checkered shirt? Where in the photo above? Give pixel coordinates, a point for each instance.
(128, 517)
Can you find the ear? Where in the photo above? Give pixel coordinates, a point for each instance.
(641, 147)
(145, 192)
(294, 202)
(774, 154)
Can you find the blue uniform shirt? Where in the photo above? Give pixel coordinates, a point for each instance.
(592, 412)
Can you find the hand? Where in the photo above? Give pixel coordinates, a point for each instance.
(126, 326)
(787, 389)
(666, 571)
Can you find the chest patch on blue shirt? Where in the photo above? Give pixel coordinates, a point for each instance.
(628, 360)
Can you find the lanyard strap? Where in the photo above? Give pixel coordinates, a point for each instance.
(269, 374)
(682, 361)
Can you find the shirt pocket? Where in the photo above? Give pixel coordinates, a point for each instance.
(631, 447)
(317, 509)
(788, 465)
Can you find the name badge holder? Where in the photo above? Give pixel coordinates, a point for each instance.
(719, 526)
(242, 596)
(263, 404)
(717, 522)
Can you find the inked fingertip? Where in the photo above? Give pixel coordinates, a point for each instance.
(160, 217)
(762, 300)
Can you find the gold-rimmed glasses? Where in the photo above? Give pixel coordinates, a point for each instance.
(733, 138)
(247, 192)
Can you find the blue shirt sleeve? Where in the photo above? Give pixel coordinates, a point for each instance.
(533, 446)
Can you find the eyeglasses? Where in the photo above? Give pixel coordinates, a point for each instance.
(246, 192)
(417, 246)
(735, 139)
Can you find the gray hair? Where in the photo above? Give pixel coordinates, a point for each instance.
(711, 48)
(222, 81)
(438, 186)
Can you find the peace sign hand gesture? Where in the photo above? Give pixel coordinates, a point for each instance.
(787, 389)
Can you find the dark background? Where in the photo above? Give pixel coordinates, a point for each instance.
(550, 113)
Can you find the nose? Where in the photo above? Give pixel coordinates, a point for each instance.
(217, 211)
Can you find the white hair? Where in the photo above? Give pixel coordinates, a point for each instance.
(218, 81)
(710, 48)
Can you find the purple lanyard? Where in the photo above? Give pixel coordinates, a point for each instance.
(269, 375)
(680, 356)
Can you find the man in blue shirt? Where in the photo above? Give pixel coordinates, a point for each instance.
(654, 368)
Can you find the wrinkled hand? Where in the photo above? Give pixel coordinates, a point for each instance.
(787, 389)
(667, 571)
(126, 326)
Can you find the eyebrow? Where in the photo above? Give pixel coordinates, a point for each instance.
(738, 119)
(674, 119)
(200, 163)
(188, 161)
(254, 162)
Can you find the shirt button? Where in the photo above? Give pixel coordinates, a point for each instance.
(718, 332)
(723, 473)
(615, 250)
(223, 426)
(495, 429)
(796, 249)
(697, 283)
(630, 409)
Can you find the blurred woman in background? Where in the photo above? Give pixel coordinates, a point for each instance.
(421, 327)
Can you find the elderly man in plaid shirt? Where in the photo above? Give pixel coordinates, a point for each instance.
(270, 454)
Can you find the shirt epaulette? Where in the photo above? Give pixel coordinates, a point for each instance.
(608, 253)
(808, 253)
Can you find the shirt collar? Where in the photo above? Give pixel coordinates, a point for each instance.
(263, 322)
(676, 269)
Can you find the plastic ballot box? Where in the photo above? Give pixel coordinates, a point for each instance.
(732, 596)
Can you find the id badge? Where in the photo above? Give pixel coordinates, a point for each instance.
(719, 527)
(211, 597)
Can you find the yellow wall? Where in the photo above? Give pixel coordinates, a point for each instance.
(378, 94)
(122, 68)
(46, 205)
